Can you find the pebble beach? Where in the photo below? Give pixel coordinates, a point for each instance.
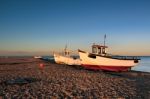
(23, 78)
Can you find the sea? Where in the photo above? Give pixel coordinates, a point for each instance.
(144, 63)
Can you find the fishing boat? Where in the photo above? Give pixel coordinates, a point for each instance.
(38, 57)
(65, 58)
(98, 59)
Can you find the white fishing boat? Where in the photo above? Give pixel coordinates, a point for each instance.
(66, 58)
(38, 57)
(100, 60)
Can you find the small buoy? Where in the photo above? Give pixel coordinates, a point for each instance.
(41, 66)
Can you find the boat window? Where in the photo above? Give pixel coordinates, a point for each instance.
(103, 51)
(99, 51)
(94, 50)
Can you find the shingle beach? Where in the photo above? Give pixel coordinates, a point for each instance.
(22, 78)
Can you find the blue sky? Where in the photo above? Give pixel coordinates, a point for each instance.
(29, 27)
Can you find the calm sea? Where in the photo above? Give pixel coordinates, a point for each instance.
(144, 64)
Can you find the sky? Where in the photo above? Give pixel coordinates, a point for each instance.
(39, 27)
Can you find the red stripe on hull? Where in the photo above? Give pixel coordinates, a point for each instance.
(107, 68)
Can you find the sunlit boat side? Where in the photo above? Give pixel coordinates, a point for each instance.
(100, 60)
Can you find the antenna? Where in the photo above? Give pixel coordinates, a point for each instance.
(65, 50)
(65, 47)
(104, 39)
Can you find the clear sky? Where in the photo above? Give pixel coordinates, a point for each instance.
(31, 27)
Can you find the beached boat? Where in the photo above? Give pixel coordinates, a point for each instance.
(38, 57)
(66, 58)
(60, 59)
(100, 60)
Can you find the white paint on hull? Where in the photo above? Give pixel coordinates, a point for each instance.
(66, 60)
(104, 61)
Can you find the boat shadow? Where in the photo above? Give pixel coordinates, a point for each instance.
(20, 81)
(48, 60)
(133, 75)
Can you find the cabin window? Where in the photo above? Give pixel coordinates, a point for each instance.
(94, 50)
(99, 51)
(103, 50)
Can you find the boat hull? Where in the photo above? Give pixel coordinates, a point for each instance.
(105, 63)
(38, 57)
(59, 59)
(106, 68)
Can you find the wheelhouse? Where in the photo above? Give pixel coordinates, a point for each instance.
(99, 49)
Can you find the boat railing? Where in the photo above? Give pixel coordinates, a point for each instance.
(126, 57)
(81, 51)
(120, 57)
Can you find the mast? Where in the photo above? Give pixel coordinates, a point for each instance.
(104, 39)
(103, 50)
(65, 50)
